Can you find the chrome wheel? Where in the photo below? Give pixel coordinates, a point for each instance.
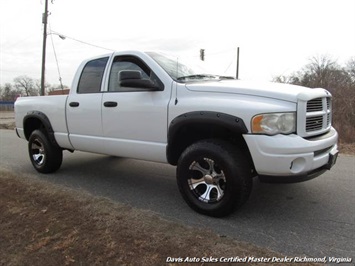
(38, 152)
(213, 177)
(207, 180)
(45, 156)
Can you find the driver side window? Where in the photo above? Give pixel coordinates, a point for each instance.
(122, 63)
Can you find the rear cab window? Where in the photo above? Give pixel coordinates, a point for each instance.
(92, 76)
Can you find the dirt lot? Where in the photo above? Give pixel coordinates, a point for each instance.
(45, 224)
(7, 120)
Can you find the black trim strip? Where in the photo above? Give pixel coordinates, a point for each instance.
(233, 123)
(46, 123)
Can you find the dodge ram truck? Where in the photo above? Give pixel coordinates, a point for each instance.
(219, 132)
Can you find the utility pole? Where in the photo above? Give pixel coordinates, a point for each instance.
(44, 21)
(237, 74)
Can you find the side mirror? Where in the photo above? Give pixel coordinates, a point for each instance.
(139, 83)
(134, 79)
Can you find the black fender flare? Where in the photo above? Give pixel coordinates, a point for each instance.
(44, 120)
(233, 123)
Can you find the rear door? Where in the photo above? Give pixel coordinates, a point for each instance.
(84, 108)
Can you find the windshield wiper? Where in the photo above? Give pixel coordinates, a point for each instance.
(204, 76)
(198, 76)
(226, 77)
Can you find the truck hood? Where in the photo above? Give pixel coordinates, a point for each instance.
(278, 91)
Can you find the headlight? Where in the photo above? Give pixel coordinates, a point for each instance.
(274, 123)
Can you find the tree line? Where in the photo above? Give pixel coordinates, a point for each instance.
(24, 86)
(324, 72)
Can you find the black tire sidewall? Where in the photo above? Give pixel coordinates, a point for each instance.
(224, 154)
(53, 155)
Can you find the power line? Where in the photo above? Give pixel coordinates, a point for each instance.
(230, 64)
(16, 71)
(225, 51)
(80, 41)
(56, 59)
(14, 44)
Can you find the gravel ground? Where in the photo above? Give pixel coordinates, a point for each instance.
(7, 120)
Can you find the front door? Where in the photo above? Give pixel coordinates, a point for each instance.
(135, 119)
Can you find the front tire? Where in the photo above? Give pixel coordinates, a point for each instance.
(45, 156)
(214, 177)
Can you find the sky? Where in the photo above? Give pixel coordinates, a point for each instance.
(276, 37)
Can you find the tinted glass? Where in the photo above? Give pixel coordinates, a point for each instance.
(173, 66)
(128, 63)
(91, 77)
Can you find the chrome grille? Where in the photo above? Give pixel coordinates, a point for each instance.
(318, 115)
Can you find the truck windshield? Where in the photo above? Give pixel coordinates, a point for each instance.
(181, 71)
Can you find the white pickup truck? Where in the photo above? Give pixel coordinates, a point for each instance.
(218, 131)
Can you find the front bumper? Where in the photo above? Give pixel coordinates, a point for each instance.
(291, 158)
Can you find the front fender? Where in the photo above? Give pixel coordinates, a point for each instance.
(206, 122)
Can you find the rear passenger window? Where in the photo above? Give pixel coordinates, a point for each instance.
(91, 77)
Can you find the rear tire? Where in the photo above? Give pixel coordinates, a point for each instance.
(214, 177)
(45, 156)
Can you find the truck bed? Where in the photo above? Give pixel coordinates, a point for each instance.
(53, 107)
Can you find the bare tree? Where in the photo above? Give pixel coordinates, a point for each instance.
(26, 84)
(286, 79)
(350, 68)
(323, 72)
(9, 93)
(37, 85)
